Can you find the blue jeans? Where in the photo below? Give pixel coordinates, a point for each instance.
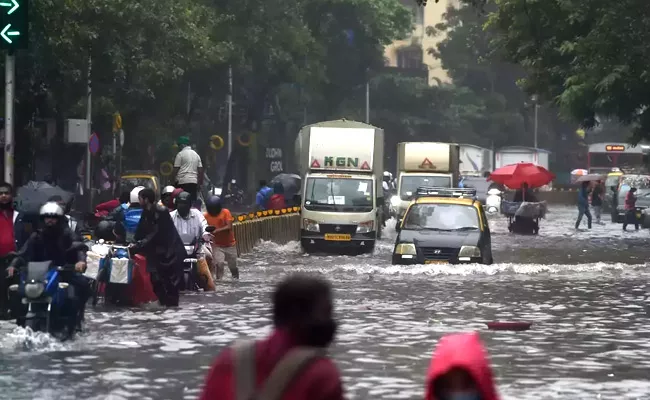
(583, 211)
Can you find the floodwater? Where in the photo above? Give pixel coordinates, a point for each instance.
(585, 292)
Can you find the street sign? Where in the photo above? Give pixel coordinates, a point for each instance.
(93, 143)
(14, 24)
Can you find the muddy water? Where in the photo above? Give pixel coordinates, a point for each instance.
(585, 292)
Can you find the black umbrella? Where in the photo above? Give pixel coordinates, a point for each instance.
(290, 183)
(33, 195)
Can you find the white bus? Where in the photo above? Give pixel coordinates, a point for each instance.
(602, 157)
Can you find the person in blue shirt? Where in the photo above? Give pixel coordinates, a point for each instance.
(126, 227)
(263, 196)
(583, 205)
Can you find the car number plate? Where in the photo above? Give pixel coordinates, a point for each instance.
(436, 262)
(338, 237)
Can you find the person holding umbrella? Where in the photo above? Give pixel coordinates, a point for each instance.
(583, 205)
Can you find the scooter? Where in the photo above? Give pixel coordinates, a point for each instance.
(48, 298)
(493, 201)
(190, 264)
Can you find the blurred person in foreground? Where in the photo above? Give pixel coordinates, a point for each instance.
(224, 245)
(460, 370)
(157, 239)
(292, 361)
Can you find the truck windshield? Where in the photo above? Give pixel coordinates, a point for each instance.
(411, 183)
(339, 194)
(442, 217)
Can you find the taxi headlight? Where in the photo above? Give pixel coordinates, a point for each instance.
(395, 201)
(469, 251)
(310, 225)
(405, 249)
(34, 290)
(365, 227)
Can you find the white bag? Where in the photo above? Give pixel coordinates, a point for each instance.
(121, 271)
(93, 263)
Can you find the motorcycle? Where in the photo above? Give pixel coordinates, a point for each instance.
(48, 298)
(493, 201)
(190, 264)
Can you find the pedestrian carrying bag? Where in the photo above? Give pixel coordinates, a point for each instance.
(288, 368)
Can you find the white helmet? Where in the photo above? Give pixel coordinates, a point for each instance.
(386, 173)
(135, 194)
(168, 190)
(51, 209)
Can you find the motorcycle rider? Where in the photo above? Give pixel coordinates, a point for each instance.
(66, 206)
(166, 198)
(126, 226)
(190, 222)
(52, 243)
(157, 239)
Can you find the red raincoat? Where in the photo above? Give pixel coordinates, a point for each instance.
(105, 208)
(276, 202)
(462, 351)
(319, 381)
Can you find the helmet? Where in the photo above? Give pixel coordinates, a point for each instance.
(134, 194)
(386, 173)
(183, 198)
(213, 205)
(104, 230)
(168, 190)
(51, 209)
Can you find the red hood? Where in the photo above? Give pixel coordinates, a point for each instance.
(465, 351)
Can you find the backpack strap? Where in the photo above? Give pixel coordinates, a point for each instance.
(244, 362)
(290, 366)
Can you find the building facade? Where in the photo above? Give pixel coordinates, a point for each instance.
(410, 54)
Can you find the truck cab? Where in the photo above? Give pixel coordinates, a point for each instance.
(342, 195)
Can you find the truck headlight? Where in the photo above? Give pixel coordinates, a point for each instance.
(310, 225)
(405, 249)
(365, 227)
(469, 251)
(34, 290)
(395, 201)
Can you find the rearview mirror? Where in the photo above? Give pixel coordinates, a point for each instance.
(398, 225)
(210, 228)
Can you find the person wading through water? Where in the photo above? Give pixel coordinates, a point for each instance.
(157, 239)
(290, 364)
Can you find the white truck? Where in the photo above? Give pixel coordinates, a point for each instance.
(341, 165)
(475, 160)
(420, 164)
(518, 154)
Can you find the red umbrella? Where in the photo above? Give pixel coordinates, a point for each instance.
(515, 175)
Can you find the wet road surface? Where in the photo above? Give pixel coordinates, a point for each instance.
(584, 291)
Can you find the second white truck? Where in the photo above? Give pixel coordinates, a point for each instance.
(420, 164)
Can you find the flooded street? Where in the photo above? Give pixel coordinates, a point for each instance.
(585, 293)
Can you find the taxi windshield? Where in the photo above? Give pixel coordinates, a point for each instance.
(442, 217)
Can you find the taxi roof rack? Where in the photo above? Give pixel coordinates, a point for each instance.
(468, 193)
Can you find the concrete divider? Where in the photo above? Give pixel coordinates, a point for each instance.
(280, 226)
(564, 197)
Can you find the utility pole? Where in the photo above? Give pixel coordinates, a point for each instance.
(535, 100)
(89, 105)
(367, 102)
(229, 100)
(10, 73)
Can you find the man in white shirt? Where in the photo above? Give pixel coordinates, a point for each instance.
(190, 224)
(188, 168)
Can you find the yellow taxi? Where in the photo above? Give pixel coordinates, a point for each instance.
(443, 226)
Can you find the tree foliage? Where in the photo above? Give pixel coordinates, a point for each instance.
(588, 57)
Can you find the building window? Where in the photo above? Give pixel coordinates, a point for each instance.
(410, 58)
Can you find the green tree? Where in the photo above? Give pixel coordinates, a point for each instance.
(589, 58)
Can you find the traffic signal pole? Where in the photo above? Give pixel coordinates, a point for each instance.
(10, 74)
